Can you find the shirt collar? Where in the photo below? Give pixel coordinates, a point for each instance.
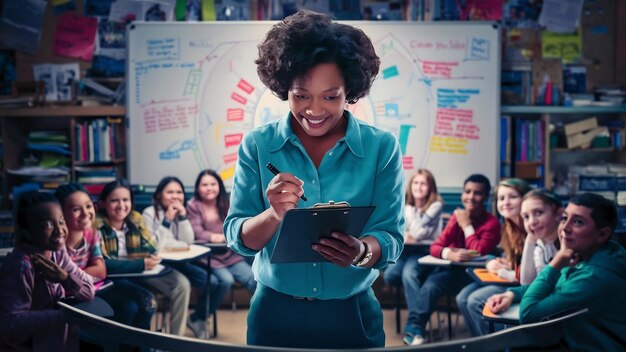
(352, 138)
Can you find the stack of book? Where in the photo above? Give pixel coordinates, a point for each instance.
(46, 160)
(93, 178)
(96, 140)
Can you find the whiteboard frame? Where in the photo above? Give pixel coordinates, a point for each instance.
(454, 189)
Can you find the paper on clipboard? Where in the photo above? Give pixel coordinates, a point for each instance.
(301, 228)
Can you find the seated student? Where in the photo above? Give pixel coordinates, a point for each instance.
(540, 212)
(167, 220)
(35, 276)
(422, 216)
(82, 243)
(588, 271)
(129, 247)
(469, 229)
(206, 212)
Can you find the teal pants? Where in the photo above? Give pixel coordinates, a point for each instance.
(279, 320)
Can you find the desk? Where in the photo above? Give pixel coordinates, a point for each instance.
(420, 248)
(195, 252)
(508, 317)
(158, 270)
(429, 260)
(484, 277)
(216, 248)
(478, 262)
(96, 306)
(5, 251)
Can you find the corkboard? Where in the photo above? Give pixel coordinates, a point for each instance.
(25, 62)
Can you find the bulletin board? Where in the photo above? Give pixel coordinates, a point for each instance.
(193, 92)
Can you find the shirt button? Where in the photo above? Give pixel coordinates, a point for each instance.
(313, 182)
(314, 264)
(331, 153)
(314, 289)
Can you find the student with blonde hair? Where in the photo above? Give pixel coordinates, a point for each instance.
(422, 216)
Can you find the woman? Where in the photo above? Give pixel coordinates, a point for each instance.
(319, 67)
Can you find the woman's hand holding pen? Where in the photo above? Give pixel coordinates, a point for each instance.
(151, 261)
(339, 248)
(283, 193)
(500, 302)
(48, 269)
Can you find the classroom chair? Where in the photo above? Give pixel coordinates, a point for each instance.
(162, 314)
(233, 302)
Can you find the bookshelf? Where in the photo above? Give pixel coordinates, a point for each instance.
(552, 168)
(16, 124)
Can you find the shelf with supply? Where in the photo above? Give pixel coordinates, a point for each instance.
(91, 139)
(543, 157)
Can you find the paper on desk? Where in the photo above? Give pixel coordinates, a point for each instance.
(193, 252)
(430, 260)
(512, 313)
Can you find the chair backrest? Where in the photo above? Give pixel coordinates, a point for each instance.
(533, 335)
(110, 335)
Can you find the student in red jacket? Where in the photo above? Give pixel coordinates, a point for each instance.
(469, 230)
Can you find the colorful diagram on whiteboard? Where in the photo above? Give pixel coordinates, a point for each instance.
(426, 94)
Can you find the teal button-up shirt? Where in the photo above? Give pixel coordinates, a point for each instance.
(363, 168)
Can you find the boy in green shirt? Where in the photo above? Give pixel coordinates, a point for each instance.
(589, 271)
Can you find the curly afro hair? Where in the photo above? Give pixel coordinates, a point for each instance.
(305, 39)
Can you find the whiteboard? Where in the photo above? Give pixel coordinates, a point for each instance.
(193, 92)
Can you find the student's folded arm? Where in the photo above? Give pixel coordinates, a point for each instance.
(432, 214)
(518, 292)
(96, 268)
(445, 239)
(159, 231)
(78, 284)
(541, 300)
(247, 196)
(95, 264)
(486, 237)
(426, 226)
(185, 231)
(528, 272)
(387, 221)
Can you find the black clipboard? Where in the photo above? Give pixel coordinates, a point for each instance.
(301, 228)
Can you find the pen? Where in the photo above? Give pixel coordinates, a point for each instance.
(275, 171)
